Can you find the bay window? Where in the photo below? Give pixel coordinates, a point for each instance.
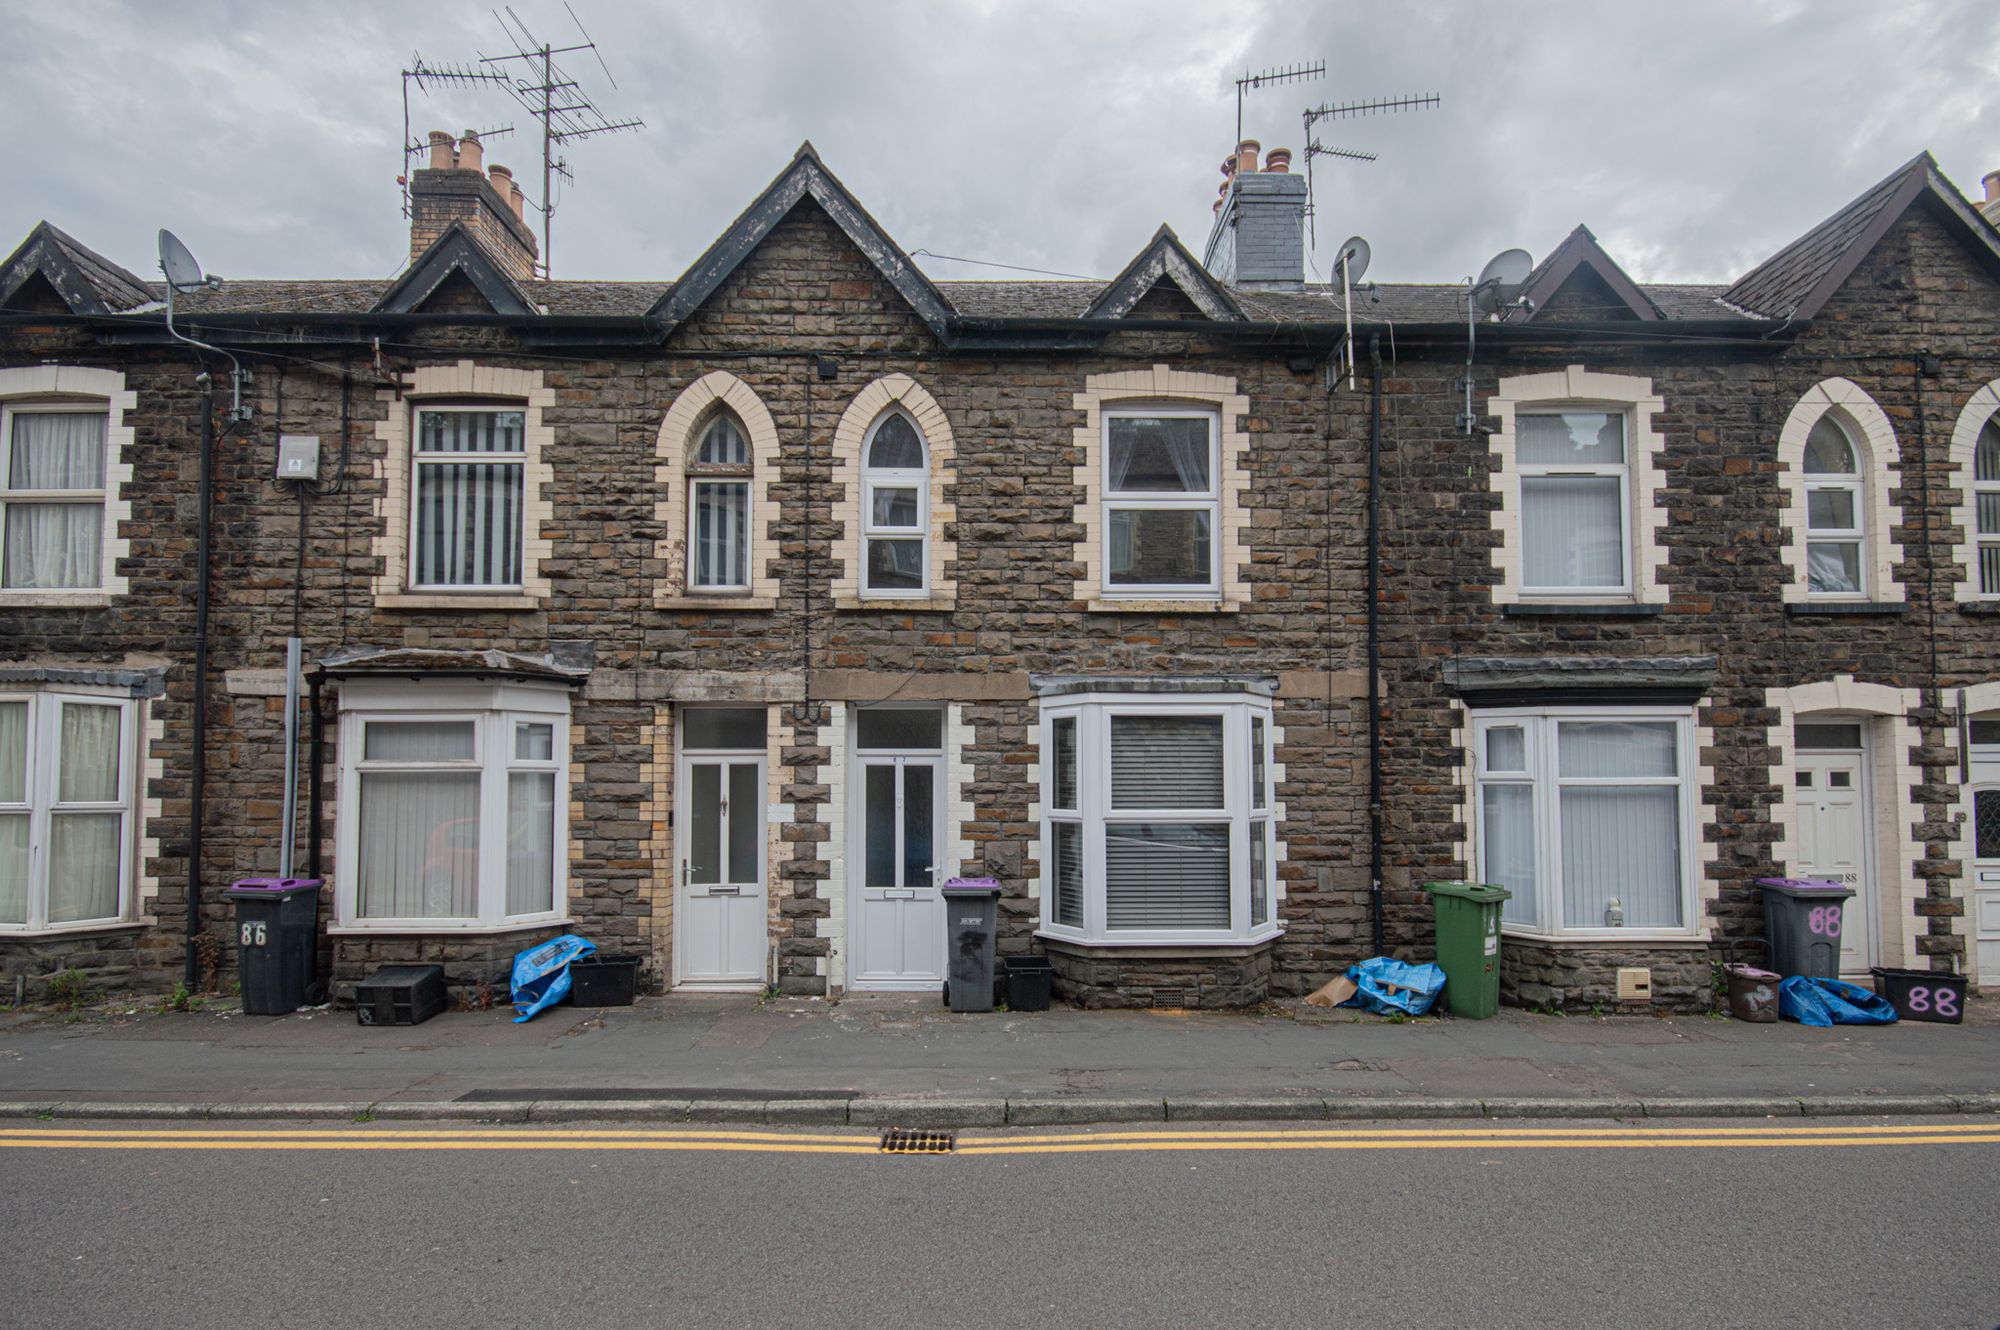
(1575, 498)
(67, 777)
(466, 519)
(1586, 816)
(451, 799)
(1158, 818)
(1161, 502)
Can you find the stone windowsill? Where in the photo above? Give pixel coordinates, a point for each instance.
(473, 601)
(736, 603)
(1636, 938)
(1115, 605)
(1621, 609)
(896, 604)
(445, 930)
(54, 600)
(1837, 608)
(1163, 950)
(1979, 607)
(61, 931)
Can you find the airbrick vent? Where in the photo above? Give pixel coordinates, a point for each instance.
(903, 1141)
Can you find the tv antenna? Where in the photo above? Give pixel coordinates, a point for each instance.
(1341, 110)
(426, 76)
(183, 274)
(1251, 82)
(547, 92)
(1498, 286)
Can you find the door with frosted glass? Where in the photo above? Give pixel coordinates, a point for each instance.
(899, 924)
(719, 914)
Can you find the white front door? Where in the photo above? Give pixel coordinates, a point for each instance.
(898, 910)
(719, 927)
(1835, 843)
(1983, 817)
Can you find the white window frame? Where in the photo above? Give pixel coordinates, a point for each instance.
(1854, 484)
(493, 711)
(1983, 541)
(420, 458)
(1539, 729)
(743, 477)
(1208, 501)
(1621, 471)
(1093, 714)
(917, 479)
(44, 744)
(9, 412)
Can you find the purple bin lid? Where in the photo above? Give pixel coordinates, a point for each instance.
(989, 886)
(273, 883)
(1802, 883)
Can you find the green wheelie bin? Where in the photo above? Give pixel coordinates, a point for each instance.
(1468, 944)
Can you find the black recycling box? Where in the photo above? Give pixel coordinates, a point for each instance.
(400, 995)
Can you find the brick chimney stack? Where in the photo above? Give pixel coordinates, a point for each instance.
(1990, 205)
(456, 187)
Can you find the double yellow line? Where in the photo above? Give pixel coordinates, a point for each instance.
(1487, 1137)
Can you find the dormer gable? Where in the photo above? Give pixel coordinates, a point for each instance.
(1579, 283)
(806, 177)
(84, 281)
(454, 262)
(1166, 261)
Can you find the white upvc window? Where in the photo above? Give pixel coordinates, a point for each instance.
(52, 493)
(1986, 503)
(67, 778)
(466, 494)
(1586, 815)
(895, 513)
(1576, 501)
(719, 474)
(1162, 504)
(1836, 512)
(451, 807)
(1159, 820)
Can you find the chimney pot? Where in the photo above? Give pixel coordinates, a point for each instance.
(471, 156)
(518, 201)
(502, 178)
(1246, 155)
(444, 153)
(1992, 183)
(1279, 161)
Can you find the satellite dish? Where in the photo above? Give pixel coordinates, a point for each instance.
(1502, 279)
(183, 273)
(1354, 255)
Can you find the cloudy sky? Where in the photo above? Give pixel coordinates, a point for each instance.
(1694, 137)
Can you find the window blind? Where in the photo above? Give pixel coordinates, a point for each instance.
(1166, 762)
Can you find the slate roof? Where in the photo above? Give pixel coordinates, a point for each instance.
(88, 282)
(1780, 285)
(119, 288)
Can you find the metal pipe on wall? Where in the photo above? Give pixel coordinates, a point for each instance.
(198, 773)
(1375, 831)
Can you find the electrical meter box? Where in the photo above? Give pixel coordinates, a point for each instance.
(298, 457)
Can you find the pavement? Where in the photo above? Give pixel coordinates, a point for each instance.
(905, 1061)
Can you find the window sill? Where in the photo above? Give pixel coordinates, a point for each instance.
(1839, 608)
(1158, 944)
(444, 929)
(1979, 607)
(54, 600)
(1137, 605)
(717, 602)
(456, 600)
(893, 604)
(1608, 938)
(1620, 609)
(62, 931)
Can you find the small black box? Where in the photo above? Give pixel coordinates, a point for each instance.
(400, 995)
(603, 981)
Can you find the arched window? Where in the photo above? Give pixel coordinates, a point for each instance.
(1986, 499)
(1836, 509)
(719, 507)
(895, 499)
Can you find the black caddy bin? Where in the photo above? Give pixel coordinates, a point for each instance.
(277, 919)
(1030, 981)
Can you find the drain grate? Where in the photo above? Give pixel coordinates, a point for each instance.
(903, 1141)
(1175, 999)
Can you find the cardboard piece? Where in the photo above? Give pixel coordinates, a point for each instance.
(1333, 993)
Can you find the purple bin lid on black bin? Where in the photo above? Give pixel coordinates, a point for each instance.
(972, 886)
(1803, 884)
(273, 883)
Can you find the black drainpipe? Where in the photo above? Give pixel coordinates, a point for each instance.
(199, 765)
(1375, 639)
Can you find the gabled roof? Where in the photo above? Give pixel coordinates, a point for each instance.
(454, 252)
(1581, 250)
(806, 177)
(1796, 281)
(88, 282)
(1165, 258)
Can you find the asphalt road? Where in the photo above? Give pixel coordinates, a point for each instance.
(1494, 1226)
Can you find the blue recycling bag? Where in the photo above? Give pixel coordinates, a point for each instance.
(1824, 1002)
(541, 973)
(1392, 986)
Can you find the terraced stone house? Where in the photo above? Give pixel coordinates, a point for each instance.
(720, 619)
